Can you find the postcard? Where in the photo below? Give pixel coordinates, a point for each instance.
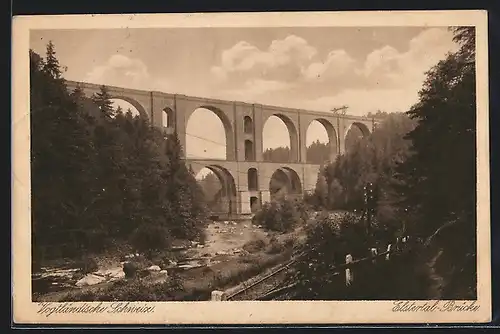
(251, 168)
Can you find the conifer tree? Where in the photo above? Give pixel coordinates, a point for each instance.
(103, 100)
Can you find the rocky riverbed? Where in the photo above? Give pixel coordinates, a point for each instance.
(224, 240)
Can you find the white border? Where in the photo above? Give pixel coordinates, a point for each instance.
(299, 312)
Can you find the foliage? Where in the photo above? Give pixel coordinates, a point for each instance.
(438, 180)
(101, 177)
(318, 153)
(281, 215)
(372, 159)
(329, 239)
(424, 165)
(150, 237)
(279, 154)
(254, 246)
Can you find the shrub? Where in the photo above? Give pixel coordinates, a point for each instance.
(329, 240)
(254, 246)
(275, 247)
(150, 237)
(281, 216)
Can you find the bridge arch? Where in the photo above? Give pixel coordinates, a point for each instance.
(228, 192)
(292, 133)
(285, 182)
(333, 140)
(355, 130)
(136, 104)
(227, 128)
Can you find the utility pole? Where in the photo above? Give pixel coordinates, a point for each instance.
(340, 110)
(370, 205)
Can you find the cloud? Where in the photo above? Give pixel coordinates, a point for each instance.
(337, 64)
(284, 59)
(387, 67)
(122, 71)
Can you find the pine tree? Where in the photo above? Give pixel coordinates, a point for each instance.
(103, 101)
(119, 110)
(321, 190)
(52, 67)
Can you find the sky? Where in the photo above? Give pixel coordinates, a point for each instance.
(319, 68)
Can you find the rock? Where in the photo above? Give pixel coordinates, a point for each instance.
(162, 276)
(200, 246)
(113, 273)
(129, 269)
(154, 268)
(90, 279)
(221, 253)
(245, 225)
(194, 243)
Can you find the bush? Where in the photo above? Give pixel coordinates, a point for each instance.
(328, 243)
(275, 247)
(150, 237)
(281, 216)
(254, 246)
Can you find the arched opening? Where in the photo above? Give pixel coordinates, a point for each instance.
(126, 104)
(253, 179)
(125, 108)
(206, 135)
(254, 204)
(355, 133)
(248, 124)
(285, 183)
(321, 142)
(279, 140)
(219, 190)
(167, 118)
(249, 151)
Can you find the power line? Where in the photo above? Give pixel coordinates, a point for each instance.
(237, 171)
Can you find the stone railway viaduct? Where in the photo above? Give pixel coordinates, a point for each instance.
(244, 175)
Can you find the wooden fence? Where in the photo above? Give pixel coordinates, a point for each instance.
(346, 269)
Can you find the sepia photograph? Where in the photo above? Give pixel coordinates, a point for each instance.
(328, 160)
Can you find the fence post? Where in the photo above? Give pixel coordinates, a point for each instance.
(217, 295)
(374, 253)
(389, 249)
(348, 271)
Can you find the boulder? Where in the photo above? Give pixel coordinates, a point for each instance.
(90, 279)
(130, 269)
(154, 268)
